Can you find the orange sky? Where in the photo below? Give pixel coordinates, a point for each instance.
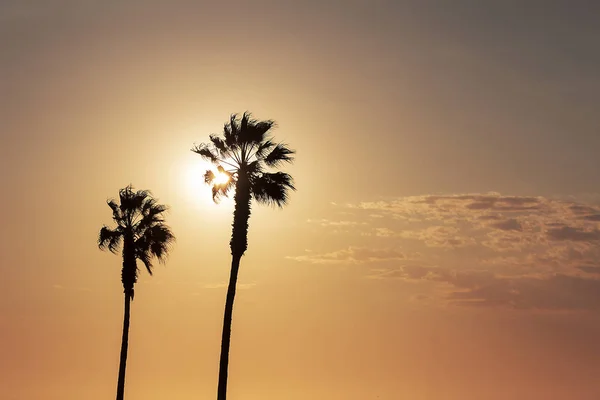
(443, 242)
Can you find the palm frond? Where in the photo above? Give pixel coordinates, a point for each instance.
(132, 201)
(109, 239)
(279, 155)
(222, 190)
(125, 196)
(155, 242)
(255, 168)
(116, 211)
(209, 176)
(221, 146)
(151, 214)
(160, 240)
(265, 146)
(273, 188)
(206, 152)
(234, 125)
(231, 133)
(260, 129)
(246, 118)
(152, 207)
(253, 131)
(229, 140)
(144, 257)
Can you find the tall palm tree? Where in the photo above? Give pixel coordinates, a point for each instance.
(243, 156)
(144, 235)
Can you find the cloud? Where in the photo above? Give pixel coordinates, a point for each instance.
(353, 255)
(433, 236)
(522, 252)
(384, 232)
(551, 292)
(328, 222)
(510, 224)
(533, 220)
(493, 206)
(556, 292)
(590, 269)
(439, 236)
(510, 240)
(581, 209)
(575, 234)
(436, 206)
(405, 272)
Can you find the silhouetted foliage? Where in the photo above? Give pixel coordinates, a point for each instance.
(244, 152)
(142, 233)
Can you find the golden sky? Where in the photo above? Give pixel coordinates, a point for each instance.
(442, 244)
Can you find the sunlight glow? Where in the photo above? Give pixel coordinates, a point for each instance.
(191, 177)
(193, 181)
(220, 178)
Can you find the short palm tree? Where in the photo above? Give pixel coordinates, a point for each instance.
(243, 156)
(142, 231)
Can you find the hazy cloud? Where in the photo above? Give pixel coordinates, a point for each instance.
(328, 222)
(574, 233)
(525, 252)
(406, 272)
(556, 292)
(590, 269)
(354, 255)
(508, 225)
(439, 236)
(484, 288)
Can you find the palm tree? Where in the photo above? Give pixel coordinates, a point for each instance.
(243, 155)
(144, 235)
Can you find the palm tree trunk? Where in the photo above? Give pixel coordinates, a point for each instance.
(124, 344)
(238, 244)
(226, 338)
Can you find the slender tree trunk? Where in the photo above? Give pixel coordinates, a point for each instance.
(238, 244)
(124, 344)
(226, 338)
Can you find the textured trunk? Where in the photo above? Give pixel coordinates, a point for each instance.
(226, 338)
(238, 244)
(124, 345)
(128, 277)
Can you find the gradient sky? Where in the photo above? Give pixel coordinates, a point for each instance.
(442, 245)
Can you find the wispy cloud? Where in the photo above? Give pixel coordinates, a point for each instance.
(525, 252)
(340, 223)
(352, 255)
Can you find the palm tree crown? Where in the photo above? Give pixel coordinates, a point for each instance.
(245, 152)
(142, 231)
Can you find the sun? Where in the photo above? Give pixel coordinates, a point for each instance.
(221, 178)
(191, 174)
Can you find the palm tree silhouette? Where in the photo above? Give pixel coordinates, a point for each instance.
(244, 153)
(142, 231)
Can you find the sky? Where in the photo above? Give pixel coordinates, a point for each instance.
(443, 243)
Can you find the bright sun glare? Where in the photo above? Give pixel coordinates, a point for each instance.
(193, 181)
(220, 178)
